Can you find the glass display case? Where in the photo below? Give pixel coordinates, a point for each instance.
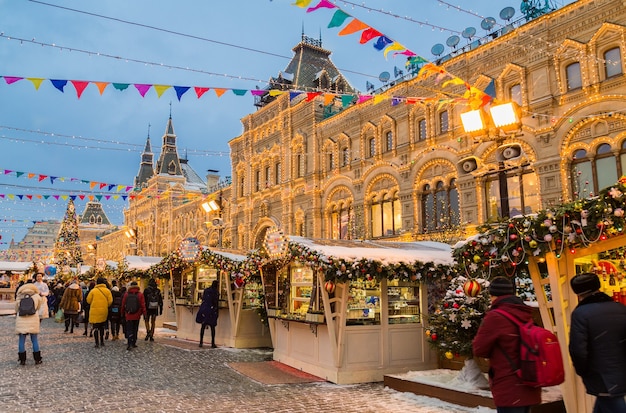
(252, 294)
(301, 289)
(363, 303)
(403, 302)
(204, 278)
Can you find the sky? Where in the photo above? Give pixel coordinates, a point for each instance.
(54, 144)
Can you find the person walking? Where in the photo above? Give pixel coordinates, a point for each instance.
(86, 307)
(597, 344)
(208, 312)
(28, 324)
(115, 312)
(99, 300)
(154, 307)
(133, 307)
(498, 340)
(44, 291)
(70, 304)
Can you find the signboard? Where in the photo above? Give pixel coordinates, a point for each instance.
(276, 243)
(189, 249)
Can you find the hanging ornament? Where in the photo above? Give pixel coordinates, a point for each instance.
(329, 286)
(471, 288)
(449, 355)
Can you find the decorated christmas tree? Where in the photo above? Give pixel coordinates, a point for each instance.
(67, 246)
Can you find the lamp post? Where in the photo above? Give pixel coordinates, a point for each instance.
(213, 206)
(133, 237)
(501, 122)
(93, 250)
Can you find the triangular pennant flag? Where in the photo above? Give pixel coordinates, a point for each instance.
(11, 79)
(42, 177)
(395, 101)
(312, 95)
(353, 27)
(160, 89)
(142, 88)
(219, 91)
(64, 197)
(382, 42)
(46, 196)
(107, 197)
(38, 196)
(346, 100)
(180, 91)
(59, 83)
(102, 185)
(415, 60)
(379, 98)
(110, 187)
(18, 174)
(292, 95)
(31, 175)
(328, 98)
(121, 86)
(368, 35)
(99, 197)
(407, 52)
(52, 178)
(20, 196)
(338, 19)
(364, 98)
(129, 188)
(200, 91)
(80, 86)
(491, 89)
(124, 197)
(302, 3)
(90, 197)
(240, 92)
(101, 86)
(116, 197)
(258, 92)
(392, 47)
(7, 171)
(92, 184)
(323, 3)
(36, 81)
(276, 92)
(81, 197)
(120, 187)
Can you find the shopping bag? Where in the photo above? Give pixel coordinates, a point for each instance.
(59, 318)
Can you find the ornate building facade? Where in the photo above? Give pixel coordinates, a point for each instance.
(409, 171)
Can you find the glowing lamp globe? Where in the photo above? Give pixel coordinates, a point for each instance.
(471, 288)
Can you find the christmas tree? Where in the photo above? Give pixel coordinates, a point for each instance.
(67, 246)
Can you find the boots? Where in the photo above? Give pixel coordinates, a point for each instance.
(97, 337)
(101, 337)
(36, 356)
(22, 357)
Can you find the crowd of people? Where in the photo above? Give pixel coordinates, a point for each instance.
(105, 309)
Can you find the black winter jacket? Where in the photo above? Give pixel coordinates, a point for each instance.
(598, 345)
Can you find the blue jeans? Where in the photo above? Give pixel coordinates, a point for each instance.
(21, 342)
(609, 405)
(518, 409)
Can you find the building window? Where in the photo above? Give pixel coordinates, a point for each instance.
(440, 207)
(443, 122)
(242, 187)
(589, 175)
(523, 194)
(277, 173)
(345, 157)
(257, 180)
(268, 177)
(386, 217)
(299, 168)
(389, 141)
(331, 161)
(515, 92)
(372, 147)
(340, 221)
(574, 79)
(421, 130)
(612, 62)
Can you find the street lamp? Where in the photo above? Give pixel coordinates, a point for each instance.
(93, 250)
(133, 236)
(503, 118)
(213, 206)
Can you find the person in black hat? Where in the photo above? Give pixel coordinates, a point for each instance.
(498, 340)
(597, 343)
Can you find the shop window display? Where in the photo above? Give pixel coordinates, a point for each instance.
(363, 303)
(404, 302)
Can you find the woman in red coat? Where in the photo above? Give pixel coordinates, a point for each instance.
(498, 340)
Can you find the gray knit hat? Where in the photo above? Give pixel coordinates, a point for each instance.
(585, 283)
(501, 286)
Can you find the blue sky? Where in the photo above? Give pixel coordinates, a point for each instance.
(228, 44)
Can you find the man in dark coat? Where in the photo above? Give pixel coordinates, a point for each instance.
(597, 344)
(132, 319)
(208, 312)
(498, 340)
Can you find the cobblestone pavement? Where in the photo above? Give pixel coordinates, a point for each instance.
(76, 377)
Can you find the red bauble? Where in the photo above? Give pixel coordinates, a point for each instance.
(433, 337)
(455, 305)
(329, 287)
(471, 288)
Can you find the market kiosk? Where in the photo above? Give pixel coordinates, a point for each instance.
(239, 323)
(351, 311)
(605, 258)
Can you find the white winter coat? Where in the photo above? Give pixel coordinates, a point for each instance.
(27, 324)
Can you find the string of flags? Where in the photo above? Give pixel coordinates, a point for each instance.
(98, 197)
(92, 184)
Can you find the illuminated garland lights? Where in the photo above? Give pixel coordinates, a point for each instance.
(564, 228)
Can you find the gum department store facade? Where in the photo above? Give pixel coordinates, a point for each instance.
(406, 171)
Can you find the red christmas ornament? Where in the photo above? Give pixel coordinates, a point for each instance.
(455, 305)
(471, 288)
(433, 337)
(329, 286)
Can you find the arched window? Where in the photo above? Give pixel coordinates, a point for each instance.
(440, 206)
(421, 130)
(518, 187)
(340, 221)
(257, 180)
(389, 141)
(242, 183)
(574, 79)
(515, 92)
(331, 161)
(345, 157)
(612, 62)
(372, 147)
(592, 174)
(386, 217)
(443, 122)
(277, 173)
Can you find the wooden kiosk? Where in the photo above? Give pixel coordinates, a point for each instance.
(239, 323)
(351, 311)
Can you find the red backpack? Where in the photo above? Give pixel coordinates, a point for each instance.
(541, 363)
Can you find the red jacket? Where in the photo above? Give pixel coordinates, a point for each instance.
(142, 302)
(498, 335)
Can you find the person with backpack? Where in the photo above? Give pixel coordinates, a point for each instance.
(498, 339)
(27, 320)
(115, 312)
(597, 344)
(133, 307)
(154, 307)
(99, 300)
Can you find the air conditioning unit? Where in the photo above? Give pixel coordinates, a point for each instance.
(468, 165)
(216, 222)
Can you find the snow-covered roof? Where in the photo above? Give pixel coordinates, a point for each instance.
(229, 255)
(140, 262)
(384, 251)
(15, 265)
